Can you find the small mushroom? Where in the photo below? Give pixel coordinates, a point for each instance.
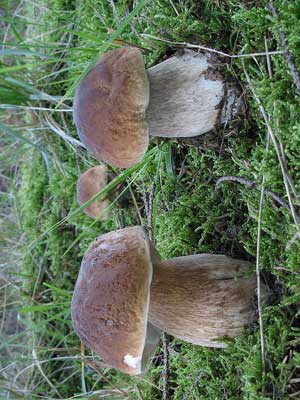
(200, 299)
(88, 185)
(114, 109)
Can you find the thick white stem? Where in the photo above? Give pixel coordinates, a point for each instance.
(202, 298)
(188, 96)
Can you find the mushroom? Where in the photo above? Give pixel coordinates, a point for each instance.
(114, 109)
(111, 300)
(201, 298)
(88, 185)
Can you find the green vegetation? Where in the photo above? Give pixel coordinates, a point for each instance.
(46, 47)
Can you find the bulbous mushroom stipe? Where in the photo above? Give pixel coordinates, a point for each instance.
(119, 103)
(202, 298)
(125, 294)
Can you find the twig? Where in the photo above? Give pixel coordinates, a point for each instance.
(95, 368)
(82, 354)
(257, 267)
(136, 205)
(285, 270)
(295, 394)
(148, 201)
(4, 301)
(278, 152)
(292, 241)
(121, 42)
(194, 385)
(138, 392)
(165, 373)
(145, 198)
(150, 214)
(55, 128)
(175, 9)
(8, 26)
(288, 55)
(259, 233)
(268, 57)
(39, 367)
(284, 161)
(221, 53)
(114, 10)
(250, 184)
(32, 108)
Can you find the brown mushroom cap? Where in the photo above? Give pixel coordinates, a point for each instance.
(89, 184)
(109, 108)
(111, 299)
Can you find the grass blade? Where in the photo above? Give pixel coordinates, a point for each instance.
(102, 49)
(41, 307)
(19, 52)
(57, 290)
(14, 68)
(6, 129)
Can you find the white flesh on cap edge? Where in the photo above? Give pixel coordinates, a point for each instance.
(133, 362)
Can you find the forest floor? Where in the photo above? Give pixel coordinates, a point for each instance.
(46, 47)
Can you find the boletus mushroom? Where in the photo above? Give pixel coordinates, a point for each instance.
(125, 294)
(119, 102)
(88, 185)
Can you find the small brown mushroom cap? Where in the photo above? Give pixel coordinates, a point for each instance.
(109, 108)
(111, 299)
(89, 184)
